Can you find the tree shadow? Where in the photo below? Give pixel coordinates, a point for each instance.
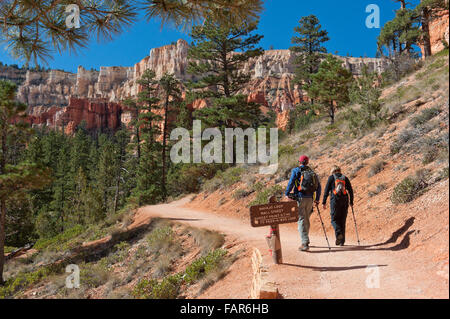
(331, 268)
(405, 242)
(183, 219)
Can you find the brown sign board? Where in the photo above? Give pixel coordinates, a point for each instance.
(274, 214)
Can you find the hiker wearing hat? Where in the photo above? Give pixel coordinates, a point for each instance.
(305, 183)
(341, 189)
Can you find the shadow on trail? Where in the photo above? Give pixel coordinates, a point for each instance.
(183, 219)
(331, 268)
(405, 242)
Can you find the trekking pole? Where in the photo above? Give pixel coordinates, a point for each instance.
(356, 228)
(323, 226)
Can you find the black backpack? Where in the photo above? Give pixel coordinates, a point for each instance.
(308, 182)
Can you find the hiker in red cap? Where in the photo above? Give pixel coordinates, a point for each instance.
(305, 183)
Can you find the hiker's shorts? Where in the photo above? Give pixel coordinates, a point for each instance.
(305, 207)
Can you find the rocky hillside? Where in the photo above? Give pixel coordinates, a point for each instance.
(64, 99)
(399, 172)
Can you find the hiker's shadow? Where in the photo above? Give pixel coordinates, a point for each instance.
(403, 244)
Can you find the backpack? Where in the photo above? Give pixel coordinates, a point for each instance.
(339, 185)
(308, 182)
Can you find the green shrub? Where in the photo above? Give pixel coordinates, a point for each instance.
(9, 249)
(406, 136)
(204, 265)
(27, 279)
(160, 237)
(262, 197)
(286, 150)
(410, 188)
(302, 116)
(241, 193)
(61, 241)
(224, 179)
(168, 288)
(92, 275)
(258, 187)
(424, 117)
(443, 174)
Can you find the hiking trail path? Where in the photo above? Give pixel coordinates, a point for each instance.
(343, 272)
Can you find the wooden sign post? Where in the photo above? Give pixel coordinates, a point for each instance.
(274, 214)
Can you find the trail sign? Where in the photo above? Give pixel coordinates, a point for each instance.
(274, 214)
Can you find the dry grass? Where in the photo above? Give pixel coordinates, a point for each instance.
(206, 239)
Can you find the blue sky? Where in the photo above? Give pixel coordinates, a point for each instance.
(343, 19)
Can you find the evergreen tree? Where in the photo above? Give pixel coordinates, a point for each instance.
(61, 189)
(15, 178)
(399, 34)
(34, 31)
(365, 92)
(309, 49)
(171, 97)
(106, 178)
(122, 175)
(216, 57)
(148, 179)
(330, 85)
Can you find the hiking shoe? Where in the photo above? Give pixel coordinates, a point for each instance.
(339, 240)
(304, 247)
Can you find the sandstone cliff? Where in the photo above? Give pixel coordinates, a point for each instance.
(439, 31)
(64, 95)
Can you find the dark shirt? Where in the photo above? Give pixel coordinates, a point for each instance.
(331, 185)
(295, 176)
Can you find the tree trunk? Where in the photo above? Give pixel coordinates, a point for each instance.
(2, 209)
(164, 160)
(331, 112)
(2, 237)
(116, 195)
(138, 141)
(426, 32)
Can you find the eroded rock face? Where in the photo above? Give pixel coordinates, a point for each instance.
(439, 31)
(64, 98)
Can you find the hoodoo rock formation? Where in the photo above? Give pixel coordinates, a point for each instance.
(64, 99)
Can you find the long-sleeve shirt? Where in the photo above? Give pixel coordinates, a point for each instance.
(295, 176)
(331, 186)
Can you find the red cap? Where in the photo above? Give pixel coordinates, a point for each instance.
(304, 159)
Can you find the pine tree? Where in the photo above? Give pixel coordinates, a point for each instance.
(309, 49)
(62, 187)
(171, 97)
(15, 178)
(216, 57)
(106, 175)
(330, 85)
(123, 175)
(148, 179)
(35, 30)
(365, 92)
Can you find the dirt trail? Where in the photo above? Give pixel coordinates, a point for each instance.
(320, 273)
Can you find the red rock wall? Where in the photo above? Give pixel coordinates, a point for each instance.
(98, 114)
(439, 31)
